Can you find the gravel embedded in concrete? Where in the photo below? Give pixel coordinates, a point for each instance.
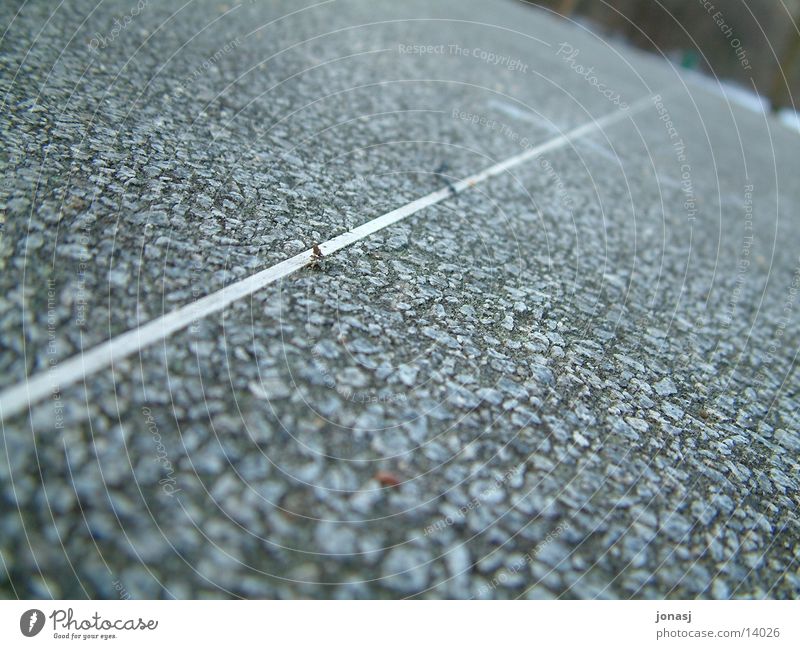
(573, 380)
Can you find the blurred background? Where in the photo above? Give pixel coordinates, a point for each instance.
(754, 43)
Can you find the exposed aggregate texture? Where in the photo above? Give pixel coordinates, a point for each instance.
(574, 380)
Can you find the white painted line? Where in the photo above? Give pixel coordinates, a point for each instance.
(20, 397)
(512, 111)
(517, 113)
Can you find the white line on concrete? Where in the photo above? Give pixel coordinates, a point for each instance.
(33, 389)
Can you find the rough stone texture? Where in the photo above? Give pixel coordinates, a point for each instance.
(555, 384)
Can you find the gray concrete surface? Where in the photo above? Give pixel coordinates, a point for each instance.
(580, 375)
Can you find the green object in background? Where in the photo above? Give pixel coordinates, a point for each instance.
(689, 59)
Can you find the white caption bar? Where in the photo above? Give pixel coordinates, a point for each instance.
(401, 625)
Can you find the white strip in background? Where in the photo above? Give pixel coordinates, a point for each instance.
(22, 396)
